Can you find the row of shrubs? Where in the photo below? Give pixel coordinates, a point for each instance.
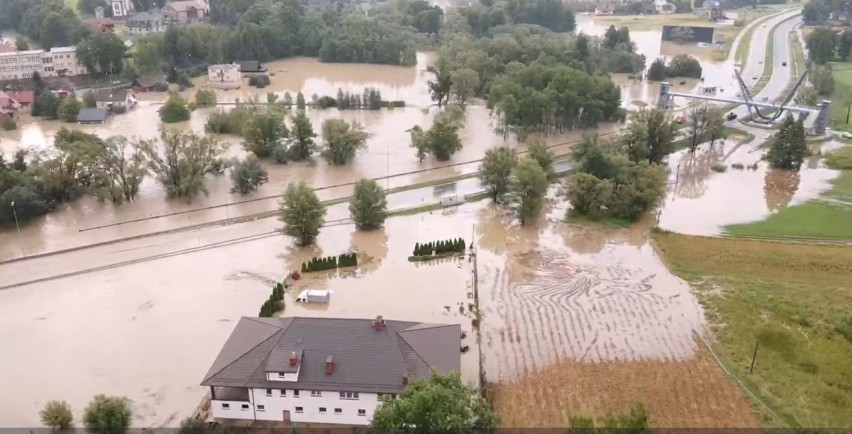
(259, 80)
(270, 306)
(439, 247)
(330, 262)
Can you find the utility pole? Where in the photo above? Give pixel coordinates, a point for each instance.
(18, 227)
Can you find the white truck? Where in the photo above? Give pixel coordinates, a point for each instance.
(320, 296)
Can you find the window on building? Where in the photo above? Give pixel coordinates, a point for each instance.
(282, 374)
(316, 393)
(226, 406)
(268, 392)
(338, 411)
(322, 410)
(283, 392)
(261, 408)
(295, 393)
(298, 409)
(348, 395)
(245, 406)
(362, 412)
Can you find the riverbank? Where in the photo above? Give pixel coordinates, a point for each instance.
(790, 299)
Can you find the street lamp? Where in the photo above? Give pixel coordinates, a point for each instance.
(17, 226)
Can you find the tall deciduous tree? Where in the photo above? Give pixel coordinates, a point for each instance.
(264, 133)
(650, 136)
(181, 161)
(542, 155)
(248, 175)
(442, 138)
(174, 109)
(657, 70)
(368, 206)
(528, 188)
(302, 133)
(821, 46)
(107, 415)
(789, 149)
(57, 415)
(419, 142)
(464, 84)
(302, 213)
(342, 141)
(496, 170)
(69, 108)
(122, 169)
(443, 404)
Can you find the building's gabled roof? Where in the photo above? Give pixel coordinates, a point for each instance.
(87, 115)
(111, 95)
(364, 359)
(22, 96)
(250, 66)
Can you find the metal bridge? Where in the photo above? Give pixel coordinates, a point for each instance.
(820, 123)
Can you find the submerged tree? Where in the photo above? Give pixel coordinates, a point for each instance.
(248, 175)
(419, 142)
(528, 188)
(542, 155)
(496, 170)
(789, 149)
(264, 133)
(182, 160)
(650, 136)
(342, 141)
(107, 415)
(57, 415)
(123, 167)
(302, 213)
(368, 206)
(302, 135)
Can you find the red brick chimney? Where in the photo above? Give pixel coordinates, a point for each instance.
(329, 365)
(379, 324)
(293, 359)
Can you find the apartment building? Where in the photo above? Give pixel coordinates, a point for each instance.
(59, 61)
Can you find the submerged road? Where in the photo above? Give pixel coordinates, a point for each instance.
(216, 234)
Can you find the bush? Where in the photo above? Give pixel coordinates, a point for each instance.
(259, 80)
(57, 415)
(118, 109)
(205, 98)
(248, 175)
(439, 247)
(9, 124)
(330, 262)
(718, 167)
(174, 110)
(107, 414)
(684, 65)
(161, 87)
(270, 306)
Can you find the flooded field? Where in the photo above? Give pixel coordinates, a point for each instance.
(150, 331)
(701, 201)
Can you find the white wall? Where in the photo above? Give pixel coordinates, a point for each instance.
(275, 405)
(234, 412)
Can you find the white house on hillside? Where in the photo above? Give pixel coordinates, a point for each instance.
(121, 8)
(324, 370)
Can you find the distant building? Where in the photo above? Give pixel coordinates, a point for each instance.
(186, 11)
(121, 8)
(148, 84)
(100, 25)
(62, 62)
(664, 7)
(92, 116)
(109, 98)
(143, 23)
(225, 76)
(605, 9)
(324, 370)
(715, 12)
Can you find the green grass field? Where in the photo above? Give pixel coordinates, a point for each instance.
(841, 98)
(794, 299)
(828, 217)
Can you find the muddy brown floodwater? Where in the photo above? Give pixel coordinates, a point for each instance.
(701, 201)
(387, 152)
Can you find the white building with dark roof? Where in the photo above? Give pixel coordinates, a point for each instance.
(324, 370)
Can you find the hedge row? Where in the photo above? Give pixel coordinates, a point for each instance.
(270, 306)
(438, 247)
(330, 262)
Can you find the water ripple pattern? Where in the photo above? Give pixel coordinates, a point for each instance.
(556, 306)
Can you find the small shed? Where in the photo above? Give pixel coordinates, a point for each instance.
(92, 116)
(147, 84)
(251, 66)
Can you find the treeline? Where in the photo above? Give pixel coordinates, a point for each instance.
(48, 22)
(281, 29)
(624, 178)
(330, 262)
(371, 99)
(479, 18)
(825, 45)
(439, 247)
(817, 12)
(270, 306)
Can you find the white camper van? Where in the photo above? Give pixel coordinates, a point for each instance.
(321, 296)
